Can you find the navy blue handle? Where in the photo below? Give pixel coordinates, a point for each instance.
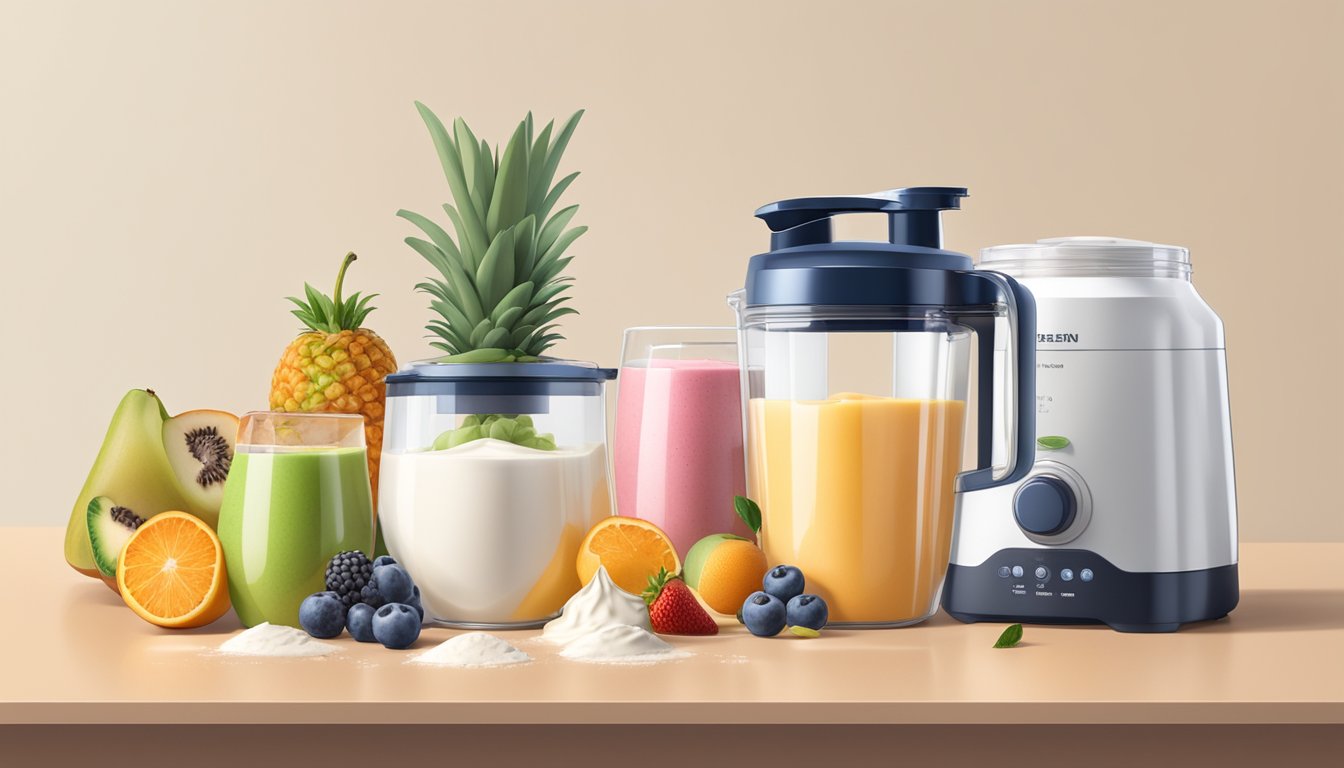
(912, 215)
(1022, 324)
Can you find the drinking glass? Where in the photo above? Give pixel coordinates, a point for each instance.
(678, 445)
(297, 494)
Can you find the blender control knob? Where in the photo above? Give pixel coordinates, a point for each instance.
(1044, 505)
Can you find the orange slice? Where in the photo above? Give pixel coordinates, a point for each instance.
(631, 549)
(171, 572)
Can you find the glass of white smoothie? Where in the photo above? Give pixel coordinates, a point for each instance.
(491, 475)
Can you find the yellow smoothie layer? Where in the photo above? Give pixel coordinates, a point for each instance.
(857, 492)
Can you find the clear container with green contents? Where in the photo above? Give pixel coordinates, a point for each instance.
(297, 493)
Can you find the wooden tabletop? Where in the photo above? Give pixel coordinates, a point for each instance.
(74, 654)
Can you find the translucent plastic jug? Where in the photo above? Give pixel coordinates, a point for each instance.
(866, 366)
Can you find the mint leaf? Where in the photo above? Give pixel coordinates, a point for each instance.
(1010, 637)
(1052, 442)
(748, 511)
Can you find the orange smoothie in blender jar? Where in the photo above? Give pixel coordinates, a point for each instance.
(857, 491)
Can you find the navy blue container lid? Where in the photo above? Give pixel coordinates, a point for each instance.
(547, 376)
(805, 267)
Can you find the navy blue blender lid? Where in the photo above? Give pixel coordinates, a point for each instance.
(909, 283)
(806, 267)
(545, 377)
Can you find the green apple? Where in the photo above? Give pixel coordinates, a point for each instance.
(699, 554)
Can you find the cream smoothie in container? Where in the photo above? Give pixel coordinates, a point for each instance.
(491, 475)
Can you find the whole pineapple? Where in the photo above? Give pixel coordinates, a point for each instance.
(336, 366)
(499, 290)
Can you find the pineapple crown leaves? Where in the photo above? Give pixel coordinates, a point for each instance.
(333, 314)
(500, 286)
(656, 583)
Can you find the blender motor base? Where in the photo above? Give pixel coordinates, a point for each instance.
(1077, 586)
(968, 618)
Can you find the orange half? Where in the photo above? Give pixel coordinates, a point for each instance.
(171, 572)
(631, 549)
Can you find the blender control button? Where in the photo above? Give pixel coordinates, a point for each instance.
(1004, 571)
(1066, 574)
(1017, 571)
(1042, 573)
(1044, 505)
(1085, 574)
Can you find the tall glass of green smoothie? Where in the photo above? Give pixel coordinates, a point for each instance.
(297, 493)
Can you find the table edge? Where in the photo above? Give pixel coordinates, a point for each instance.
(662, 713)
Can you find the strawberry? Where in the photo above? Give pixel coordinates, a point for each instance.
(674, 610)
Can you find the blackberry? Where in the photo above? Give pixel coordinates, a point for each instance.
(348, 574)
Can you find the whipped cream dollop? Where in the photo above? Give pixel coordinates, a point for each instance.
(622, 644)
(598, 605)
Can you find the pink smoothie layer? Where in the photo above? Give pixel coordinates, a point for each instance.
(678, 448)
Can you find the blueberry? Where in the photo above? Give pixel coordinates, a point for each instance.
(807, 611)
(322, 614)
(396, 626)
(393, 583)
(360, 622)
(763, 614)
(414, 602)
(784, 581)
(370, 596)
(384, 560)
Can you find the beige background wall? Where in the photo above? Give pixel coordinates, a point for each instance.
(169, 172)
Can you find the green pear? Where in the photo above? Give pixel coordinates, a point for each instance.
(132, 467)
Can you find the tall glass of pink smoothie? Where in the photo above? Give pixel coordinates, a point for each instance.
(678, 447)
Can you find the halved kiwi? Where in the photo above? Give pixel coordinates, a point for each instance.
(110, 526)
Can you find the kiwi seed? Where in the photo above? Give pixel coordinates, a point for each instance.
(124, 516)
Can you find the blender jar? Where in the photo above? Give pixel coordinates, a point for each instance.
(491, 475)
(857, 365)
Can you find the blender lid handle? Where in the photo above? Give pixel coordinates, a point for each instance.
(912, 215)
(1021, 400)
